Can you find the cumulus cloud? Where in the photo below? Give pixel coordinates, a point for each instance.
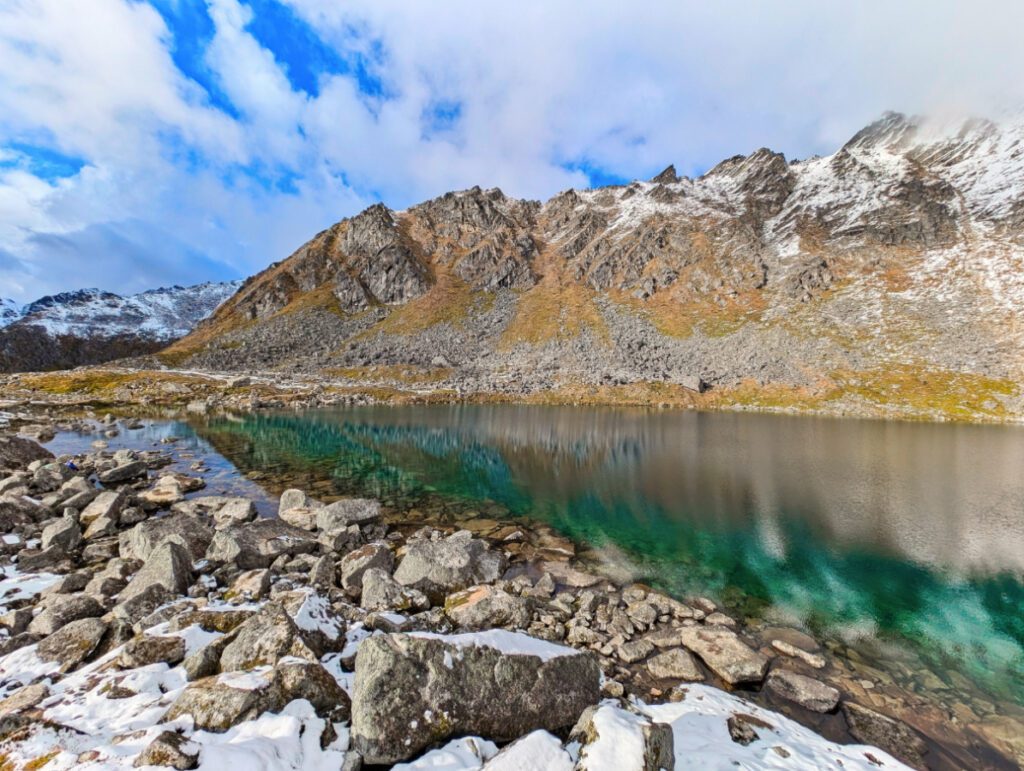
(173, 141)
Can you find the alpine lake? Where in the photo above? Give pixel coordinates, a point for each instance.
(898, 545)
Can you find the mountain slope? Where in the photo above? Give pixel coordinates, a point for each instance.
(888, 273)
(89, 326)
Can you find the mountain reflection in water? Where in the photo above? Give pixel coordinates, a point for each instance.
(913, 533)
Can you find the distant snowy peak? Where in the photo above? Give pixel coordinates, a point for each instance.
(9, 312)
(159, 314)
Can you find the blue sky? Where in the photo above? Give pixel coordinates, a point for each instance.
(177, 141)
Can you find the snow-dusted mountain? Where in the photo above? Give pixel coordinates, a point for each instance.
(89, 326)
(163, 314)
(892, 269)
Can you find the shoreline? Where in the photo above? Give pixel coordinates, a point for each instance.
(151, 391)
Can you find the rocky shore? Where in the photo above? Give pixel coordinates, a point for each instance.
(149, 623)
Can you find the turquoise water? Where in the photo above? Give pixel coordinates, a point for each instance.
(905, 538)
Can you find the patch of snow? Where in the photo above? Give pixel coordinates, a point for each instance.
(16, 586)
(702, 739)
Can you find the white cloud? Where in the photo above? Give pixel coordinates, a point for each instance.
(627, 88)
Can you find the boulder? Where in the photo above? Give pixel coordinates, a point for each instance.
(165, 492)
(354, 564)
(219, 702)
(537, 750)
(257, 544)
(152, 649)
(64, 533)
(449, 564)
(806, 691)
(61, 609)
(412, 691)
(142, 604)
(101, 527)
(264, 639)
(321, 627)
(170, 749)
(107, 504)
(487, 607)
(324, 573)
(169, 566)
(73, 643)
(725, 654)
(234, 511)
(610, 732)
(251, 585)
(296, 499)
(348, 511)
(382, 592)
(298, 509)
(192, 532)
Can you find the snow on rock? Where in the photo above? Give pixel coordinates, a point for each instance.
(504, 641)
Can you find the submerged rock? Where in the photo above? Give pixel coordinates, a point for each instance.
(806, 691)
(893, 736)
(412, 691)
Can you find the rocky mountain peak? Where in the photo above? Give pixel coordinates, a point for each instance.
(893, 131)
(667, 177)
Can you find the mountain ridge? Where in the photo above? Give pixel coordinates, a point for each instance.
(900, 256)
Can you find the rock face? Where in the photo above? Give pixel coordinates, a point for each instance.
(411, 692)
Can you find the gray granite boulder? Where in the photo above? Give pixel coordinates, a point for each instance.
(412, 691)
